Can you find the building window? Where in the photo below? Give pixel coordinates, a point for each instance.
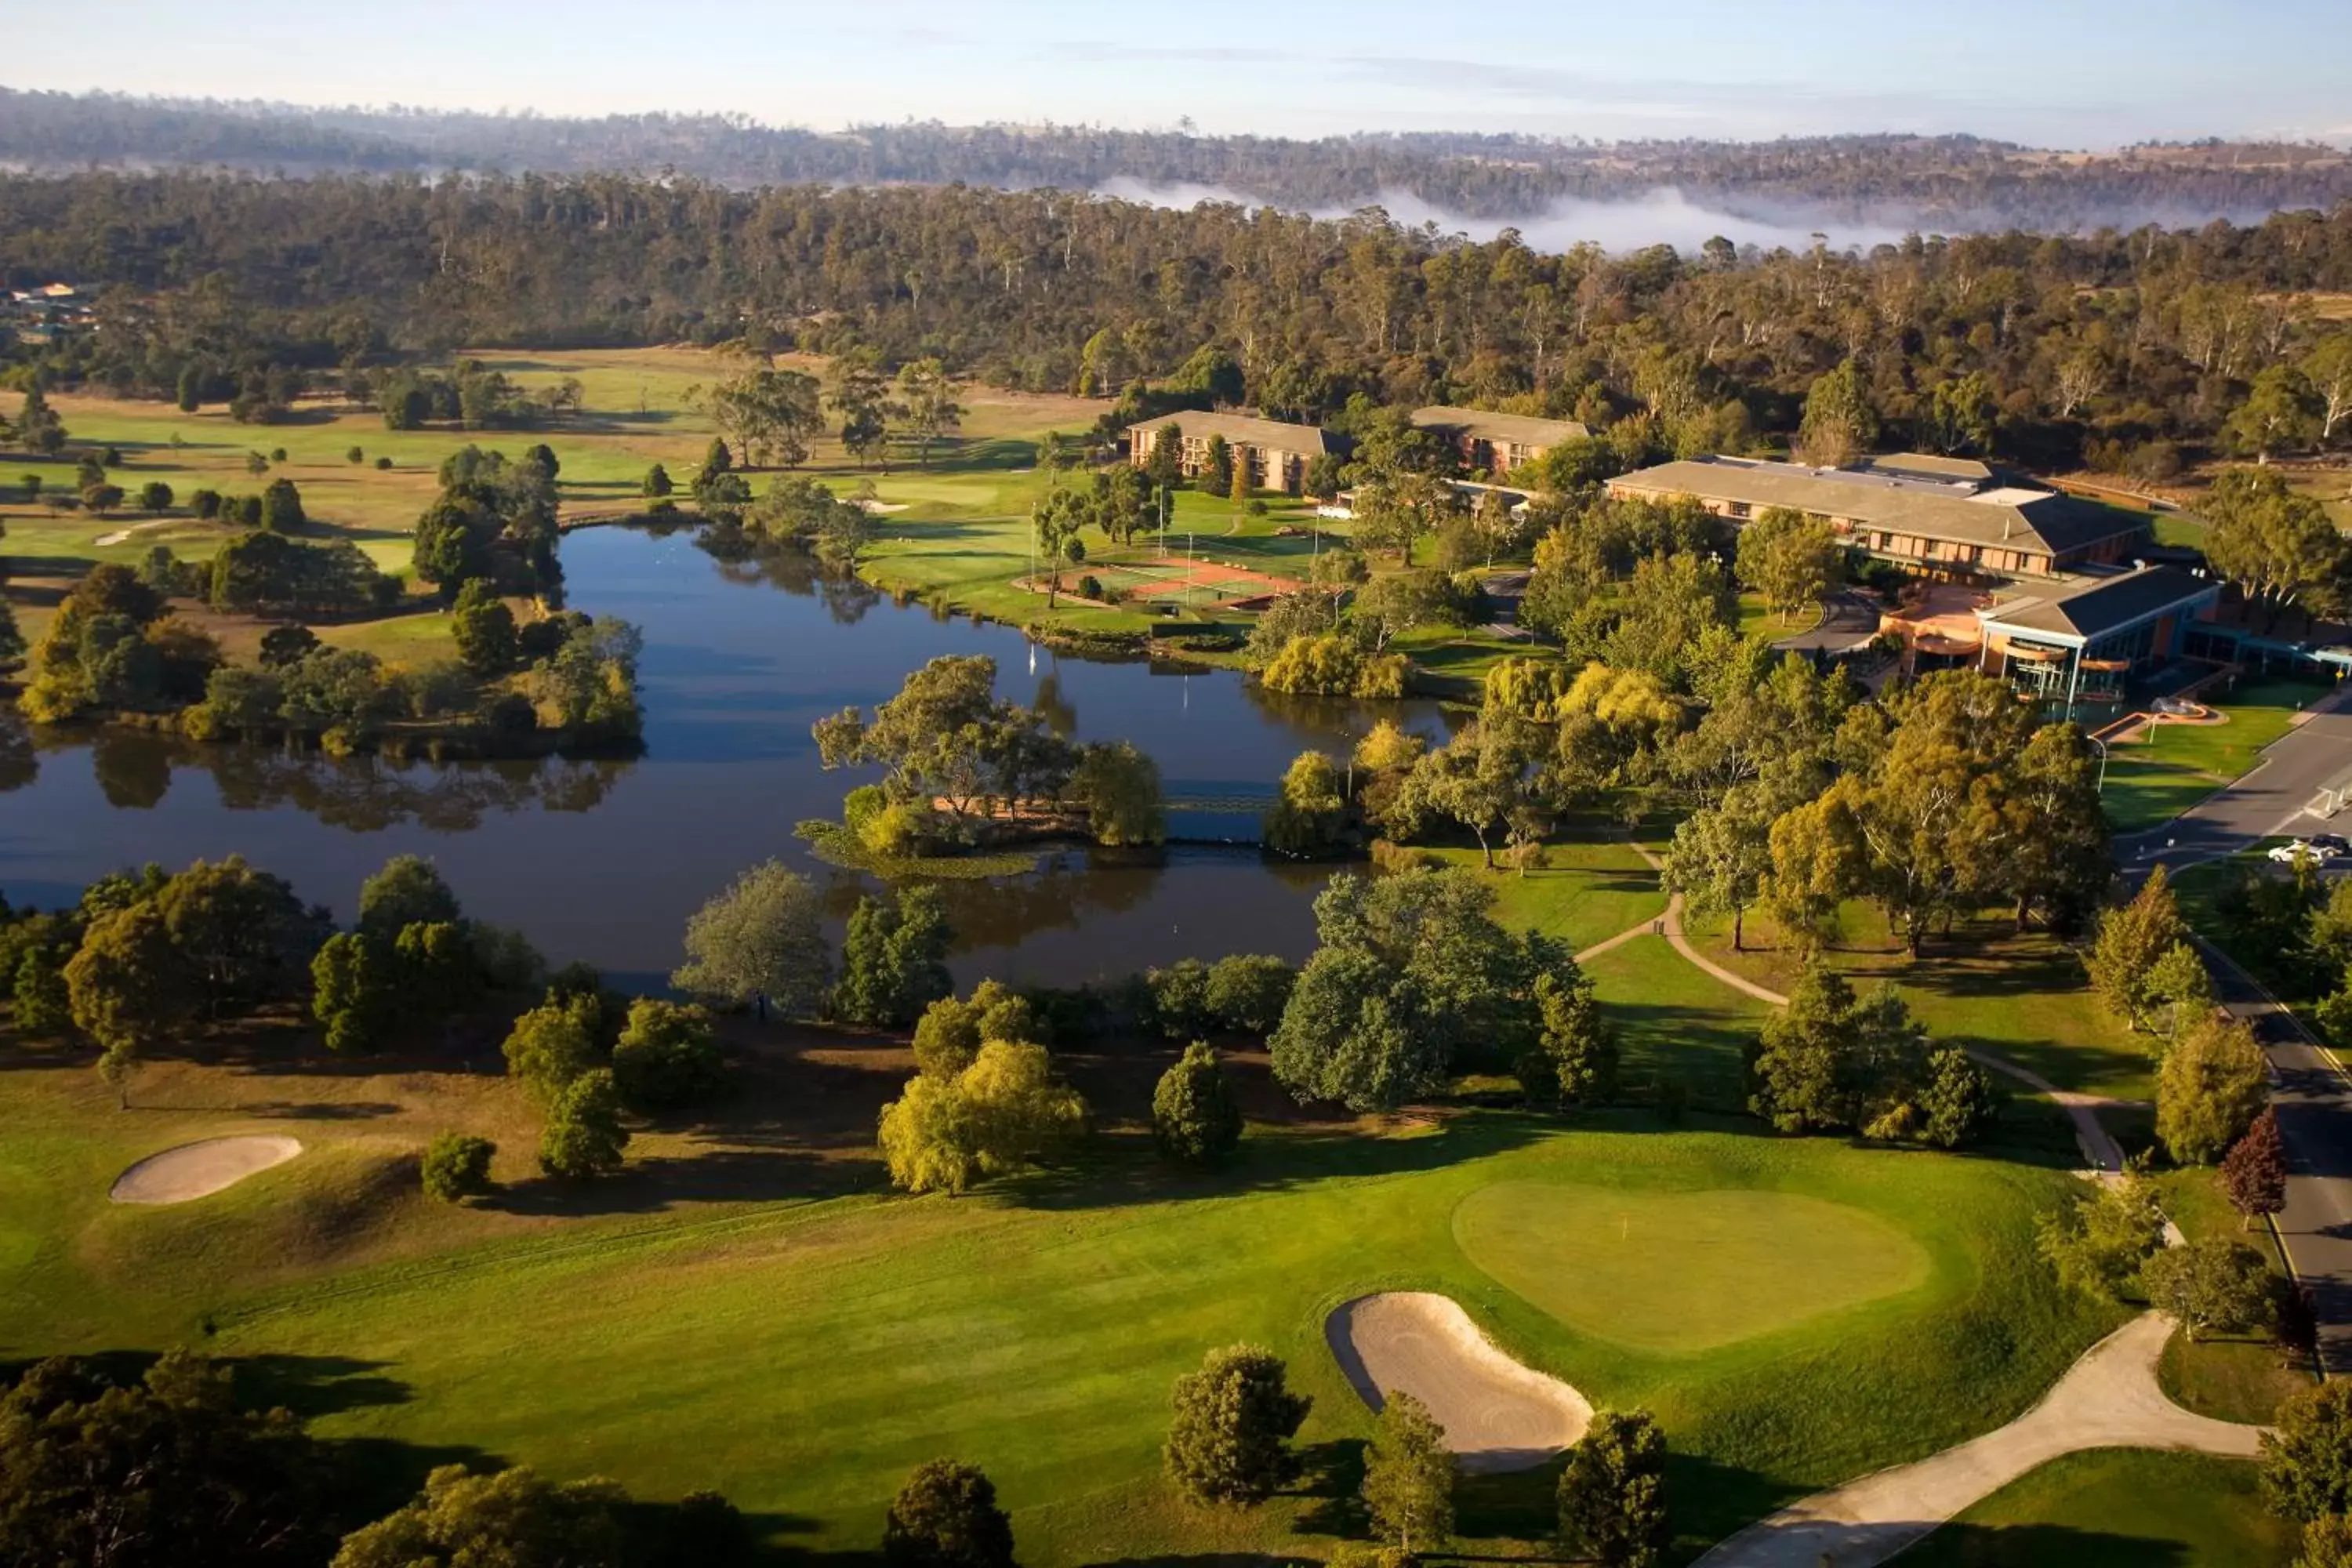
(1740, 508)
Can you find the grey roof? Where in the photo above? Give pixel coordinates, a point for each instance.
(1928, 464)
(1271, 433)
(1525, 429)
(2093, 608)
(1929, 508)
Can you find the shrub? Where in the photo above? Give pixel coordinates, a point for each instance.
(584, 1136)
(457, 1166)
(1230, 1440)
(383, 464)
(1180, 997)
(946, 1516)
(667, 1055)
(1193, 1117)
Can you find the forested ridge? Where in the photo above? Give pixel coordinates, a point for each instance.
(2048, 347)
(1950, 182)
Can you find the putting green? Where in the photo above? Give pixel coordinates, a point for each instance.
(1681, 1271)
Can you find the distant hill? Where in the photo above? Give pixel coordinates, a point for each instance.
(1950, 183)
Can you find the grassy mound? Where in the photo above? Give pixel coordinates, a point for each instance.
(1683, 1271)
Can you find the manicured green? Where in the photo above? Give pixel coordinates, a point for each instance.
(2117, 1507)
(1678, 1271)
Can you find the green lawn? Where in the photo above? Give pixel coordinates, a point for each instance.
(1676, 1021)
(719, 1319)
(2171, 767)
(2239, 1377)
(2021, 996)
(1585, 892)
(2117, 1507)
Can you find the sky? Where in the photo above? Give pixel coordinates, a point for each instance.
(2065, 73)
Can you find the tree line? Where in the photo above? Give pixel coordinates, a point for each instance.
(2127, 349)
(1949, 181)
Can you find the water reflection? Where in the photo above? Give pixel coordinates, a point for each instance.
(603, 860)
(134, 770)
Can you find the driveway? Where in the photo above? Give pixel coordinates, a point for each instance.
(1848, 621)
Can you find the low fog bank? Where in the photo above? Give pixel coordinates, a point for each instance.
(1662, 216)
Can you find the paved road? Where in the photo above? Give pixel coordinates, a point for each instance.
(2315, 1110)
(2267, 801)
(2313, 1093)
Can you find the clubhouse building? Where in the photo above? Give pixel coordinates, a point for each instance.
(1274, 455)
(2056, 595)
(1941, 517)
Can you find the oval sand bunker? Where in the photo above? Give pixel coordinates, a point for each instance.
(1497, 1414)
(198, 1169)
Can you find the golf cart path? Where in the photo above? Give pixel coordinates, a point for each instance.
(2098, 1145)
(2109, 1399)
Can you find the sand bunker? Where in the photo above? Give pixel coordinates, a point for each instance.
(196, 1170)
(1497, 1414)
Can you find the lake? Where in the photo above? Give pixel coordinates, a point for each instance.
(603, 860)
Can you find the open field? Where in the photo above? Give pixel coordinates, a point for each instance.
(1586, 891)
(744, 1310)
(2117, 1507)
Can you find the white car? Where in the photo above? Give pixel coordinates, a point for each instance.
(2319, 852)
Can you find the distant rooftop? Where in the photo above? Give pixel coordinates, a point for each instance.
(1268, 434)
(1522, 429)
(1925, 465)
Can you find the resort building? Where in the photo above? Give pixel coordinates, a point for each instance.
(2084, 640)
(1274, 455)
(1940, 516)
(1497, 443)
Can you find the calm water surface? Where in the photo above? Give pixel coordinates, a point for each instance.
(603, 860)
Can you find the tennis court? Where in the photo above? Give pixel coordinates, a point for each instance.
(1172, 579)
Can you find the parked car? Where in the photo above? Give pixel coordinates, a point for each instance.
(2319, 851)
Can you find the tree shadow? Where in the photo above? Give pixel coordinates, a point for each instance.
(1332, 1474)
(1123, 1172)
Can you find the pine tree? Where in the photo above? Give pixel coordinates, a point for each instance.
(1408, 1476)
(1613, 1502)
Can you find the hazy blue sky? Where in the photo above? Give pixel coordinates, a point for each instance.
(2092, 73)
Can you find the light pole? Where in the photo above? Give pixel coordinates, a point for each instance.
(2101, 788)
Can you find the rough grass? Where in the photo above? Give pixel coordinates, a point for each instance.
(1676, 1271)
(2117, 1507)
(1676, 1022)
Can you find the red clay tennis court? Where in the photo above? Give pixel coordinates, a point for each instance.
(1172, 579)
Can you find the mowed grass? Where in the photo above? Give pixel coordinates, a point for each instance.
(2023, 997)
(719, 1318)
(2117, 1507)
(1676, 1022)
(1677, 1272)
(2171, 767)
(2232, 1377)
(1586, 890)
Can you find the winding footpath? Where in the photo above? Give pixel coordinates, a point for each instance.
(2109, 1399)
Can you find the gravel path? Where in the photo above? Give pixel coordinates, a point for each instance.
(1497, 1414)
(198, 1169)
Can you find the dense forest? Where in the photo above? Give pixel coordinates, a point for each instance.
(1951, 184)
(2123, 348)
